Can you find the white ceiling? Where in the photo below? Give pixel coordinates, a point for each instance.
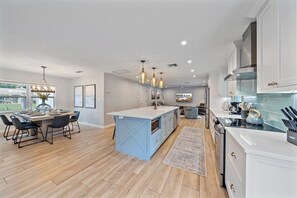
(112, 35)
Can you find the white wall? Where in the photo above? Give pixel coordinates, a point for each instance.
(170, 96)
(63, 85)
(218, 88)
(121, 94)
(89, 116)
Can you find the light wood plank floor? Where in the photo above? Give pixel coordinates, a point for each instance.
(88, 166)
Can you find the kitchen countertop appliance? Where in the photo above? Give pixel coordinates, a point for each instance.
(220, 139)
(234, 108)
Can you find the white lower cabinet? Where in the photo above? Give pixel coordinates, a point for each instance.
(235, 168)
(211, 125)
(257, 176)
(167, 124)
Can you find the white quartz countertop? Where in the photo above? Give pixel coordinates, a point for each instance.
(264, 143)
(223, 113)
(144, 112)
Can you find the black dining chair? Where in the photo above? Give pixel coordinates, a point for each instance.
(74, 121)
(60, 124)
(7, 124)
(22, 128)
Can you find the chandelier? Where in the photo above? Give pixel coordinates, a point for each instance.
(42, 87)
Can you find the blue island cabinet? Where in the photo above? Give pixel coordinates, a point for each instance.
(141, 137)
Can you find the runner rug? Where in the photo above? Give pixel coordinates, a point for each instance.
(188, 151)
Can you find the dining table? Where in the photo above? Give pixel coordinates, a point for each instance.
(41, 120)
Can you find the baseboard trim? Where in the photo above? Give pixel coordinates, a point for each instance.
(93, 125)
(97, 126)
(109, 125)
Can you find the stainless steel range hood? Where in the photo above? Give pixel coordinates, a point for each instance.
(248, 59)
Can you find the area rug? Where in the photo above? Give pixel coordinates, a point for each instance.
(188, 151)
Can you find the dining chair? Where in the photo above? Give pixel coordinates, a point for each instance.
(7, 124)
(60, 124)
(24, 129)
(74, 120)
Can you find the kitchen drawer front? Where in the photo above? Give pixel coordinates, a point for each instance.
(156, 140)
(234, 186)
(236, 156)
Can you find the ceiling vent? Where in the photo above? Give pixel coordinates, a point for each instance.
(121, 71)
(172, 65)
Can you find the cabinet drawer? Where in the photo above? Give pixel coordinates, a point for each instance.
(234, 186)
(156, 140)
(236, 156)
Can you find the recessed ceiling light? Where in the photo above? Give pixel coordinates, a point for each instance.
(79, 71)
(194, 76)
(192, 70)
(137, 77)
(189, 61)
(183, 43)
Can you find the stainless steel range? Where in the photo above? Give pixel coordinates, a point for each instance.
(220, 139)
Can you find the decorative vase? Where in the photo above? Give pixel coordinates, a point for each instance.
(43, 107)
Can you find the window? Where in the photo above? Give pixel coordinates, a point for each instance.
(15, 96)
(37, 101)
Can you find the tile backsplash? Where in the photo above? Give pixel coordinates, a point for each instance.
(270, 106)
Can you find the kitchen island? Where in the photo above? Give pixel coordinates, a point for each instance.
(140, 132)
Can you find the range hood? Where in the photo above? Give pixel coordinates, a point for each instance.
(248, 58)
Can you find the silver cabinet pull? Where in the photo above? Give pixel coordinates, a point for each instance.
(233, 155)
(272, 84)
(232, 188)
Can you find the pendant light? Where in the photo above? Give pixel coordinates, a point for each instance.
(142, 76)
(43, 87)
(161, 83)
(154, 81)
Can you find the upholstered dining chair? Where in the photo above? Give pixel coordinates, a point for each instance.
(7, 124)
(22, 129)
(74, 121)
(59, 124)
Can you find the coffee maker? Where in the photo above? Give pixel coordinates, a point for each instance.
(234, 108)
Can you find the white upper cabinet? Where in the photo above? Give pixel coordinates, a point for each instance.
(276, 47)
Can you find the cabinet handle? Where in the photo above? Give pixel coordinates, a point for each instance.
(232, 188)
(233, 155)
(272, 84)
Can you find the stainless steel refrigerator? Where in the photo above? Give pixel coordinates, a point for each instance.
(207, 101)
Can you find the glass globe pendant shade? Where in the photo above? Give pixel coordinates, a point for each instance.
(161, 83)
(154, 81)
(142, 77)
